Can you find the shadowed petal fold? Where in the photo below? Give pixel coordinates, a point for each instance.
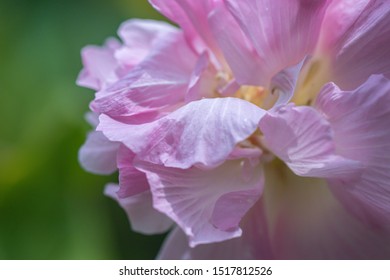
(207, 204)
(98, 154)
(253, 244)
(139, 209)
(308, 222)
(131, 180)
(360, 121)
(303, 139)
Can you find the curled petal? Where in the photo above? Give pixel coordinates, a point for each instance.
(148, 86)
(360, 121)
(283, 83)
(98, 154)
(202, 80)
(142, 216)
(207, 204)
(303, 139)
(140, 37)
(99, 65)
(131, 180)
(253, 244)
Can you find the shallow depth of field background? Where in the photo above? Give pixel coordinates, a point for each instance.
(49, 207)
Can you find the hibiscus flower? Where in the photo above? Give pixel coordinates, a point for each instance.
(257, 129)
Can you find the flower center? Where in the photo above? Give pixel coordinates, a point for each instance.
(257, 95)
(312, 78)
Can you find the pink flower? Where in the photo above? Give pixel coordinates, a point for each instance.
(199, 123)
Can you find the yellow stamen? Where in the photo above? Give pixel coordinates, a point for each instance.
(313, 77)
(259, 96)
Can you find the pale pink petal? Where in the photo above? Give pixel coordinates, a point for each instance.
(283, 33)
(246, 64)
(142, 33)
(139, 209)
(253, 244)
(131, 180)
(229, 88)
(160, 81)
(175, 246)
(237, 49)
(283, 83)
(207, 204)
(360, 120)
(192, 17)
(140, 36)
(98, 154)
(339, 20)
(92, 118)
(303, 139)
(356, 34)
(202, 80)
(99, 65)
(232, 206)
(202, 132)
(309, 223)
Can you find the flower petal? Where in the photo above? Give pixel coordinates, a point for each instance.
(308, 222)
(142, 216)
(202, 132)
(270, 24)
(140, 36)
(283, 83)
(142, 33)
(237, 49)
(357, 36)
(131, 180)
(191, 16)
(246, 64)
(160, 80)
(360, 120)
(303, 139)
(98, 154)
(253, 244)
(207, 204)
(202, 80)
(175, 246)
(99, 65)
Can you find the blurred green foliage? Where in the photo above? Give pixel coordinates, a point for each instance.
(49, 207)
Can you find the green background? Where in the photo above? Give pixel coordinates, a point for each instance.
(49, 207)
